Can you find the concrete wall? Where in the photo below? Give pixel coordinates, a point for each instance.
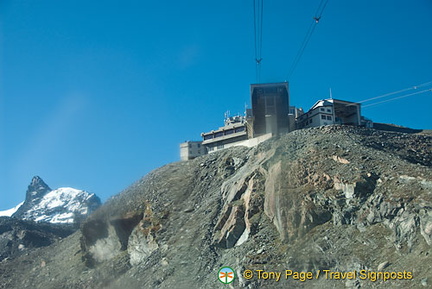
(247, 143)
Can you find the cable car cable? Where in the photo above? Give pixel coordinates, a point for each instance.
(316, 19)
(258, 32)
(398, 97)
(398, 91)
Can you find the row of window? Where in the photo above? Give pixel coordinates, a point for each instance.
(326, 117)
(224, 132)
(311, 112)
(323, 109)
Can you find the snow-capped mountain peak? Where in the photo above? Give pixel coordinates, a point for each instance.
(63, 205)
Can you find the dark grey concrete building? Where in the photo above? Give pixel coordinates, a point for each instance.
(270, 109)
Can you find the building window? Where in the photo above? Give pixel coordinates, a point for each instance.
(199, 145)
(329, 117)
(322, 109)
(323, 117)
(328, 110)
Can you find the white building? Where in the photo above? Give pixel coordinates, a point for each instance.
(331, 111)
(191, 149)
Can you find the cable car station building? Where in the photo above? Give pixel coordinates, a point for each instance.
(331, 111)
(270, 109)
(271, 115)
(268, 117)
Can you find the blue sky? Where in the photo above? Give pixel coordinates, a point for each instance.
(95, 94)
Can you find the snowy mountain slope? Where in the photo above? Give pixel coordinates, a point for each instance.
(10, 212)
(63, 205)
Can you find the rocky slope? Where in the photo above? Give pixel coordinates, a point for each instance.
(333, 198)
(19, 237)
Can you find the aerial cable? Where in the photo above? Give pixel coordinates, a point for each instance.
(302, 49)
(399, 97)
(320, 10)
(396, 92)
(258, 29)
(415, 87)
(316, 20)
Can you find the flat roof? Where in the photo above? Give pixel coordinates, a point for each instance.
(255, 85)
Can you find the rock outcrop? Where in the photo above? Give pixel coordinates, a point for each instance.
(19, 237)
(331, 198)
(35, 192)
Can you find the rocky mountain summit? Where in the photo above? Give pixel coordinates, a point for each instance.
(344, 204)
(63, 205)
(35, 192)
(45, 217)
